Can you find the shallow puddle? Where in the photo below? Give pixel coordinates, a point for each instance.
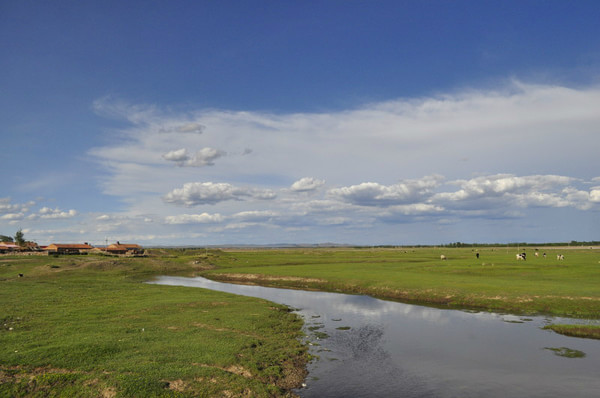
(374, 348)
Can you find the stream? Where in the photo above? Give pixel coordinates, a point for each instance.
(374, 348)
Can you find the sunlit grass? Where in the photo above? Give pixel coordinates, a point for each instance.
(87, 326)
(494, 281)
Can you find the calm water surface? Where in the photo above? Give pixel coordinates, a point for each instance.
(374, 348)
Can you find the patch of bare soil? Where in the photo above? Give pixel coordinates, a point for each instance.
(109, 392)
(178, 385)
(202, 265)
(235, 369)
(239, 370)
(258, 277)
(18, 373)
(294, 374)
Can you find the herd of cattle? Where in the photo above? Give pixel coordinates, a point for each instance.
(520, 256)
(523, 256)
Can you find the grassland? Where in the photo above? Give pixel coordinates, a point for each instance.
(87, 326)
(495, 281)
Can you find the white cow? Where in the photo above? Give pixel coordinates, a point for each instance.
(520, 257)
(560, 257)
(442, 257)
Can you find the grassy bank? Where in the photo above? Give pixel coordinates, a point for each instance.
(585, 331)
(494, 281)
(87, 326)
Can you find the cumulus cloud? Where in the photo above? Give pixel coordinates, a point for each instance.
(199, 193)
(255, 215)
(6, 206)
(47, 213)
(416, 209)
(501, 184)
(203, 157)
(503, 190)
(375, 194)
(203, 218)
(12, 216)
(178, 155)
(307, 184)
(500, 150)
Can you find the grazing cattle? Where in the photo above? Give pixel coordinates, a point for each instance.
(477, 255)
(522, 256)
(560, 257)
(20, 275)
(544, 255)
(519, 257)
(442, 257)
(537, 254)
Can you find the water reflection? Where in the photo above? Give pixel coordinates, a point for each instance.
(375, 348)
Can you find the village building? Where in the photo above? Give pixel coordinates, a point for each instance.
(125, 248)
(61, 248)
(7, 247)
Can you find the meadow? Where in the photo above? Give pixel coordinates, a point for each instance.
(89, 326)
(494, 281)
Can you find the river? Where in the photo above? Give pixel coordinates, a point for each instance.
(374, 348)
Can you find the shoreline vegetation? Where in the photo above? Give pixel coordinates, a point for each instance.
(493, 281)
(88, 326)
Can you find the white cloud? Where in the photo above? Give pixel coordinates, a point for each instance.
(12, 216)
(203, 157)
(179, 155)
(416, 209)
(46, 213)
(194, 218)
(6, 206)
(502, 151)
(199, 193)
(525, 191)
(255, 215)
(307, 184)
(375, 194)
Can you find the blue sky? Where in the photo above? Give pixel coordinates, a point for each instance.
(387, 122)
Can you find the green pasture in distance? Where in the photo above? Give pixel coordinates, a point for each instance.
(87, 326)
(495, 281)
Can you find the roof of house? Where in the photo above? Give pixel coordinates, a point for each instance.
(9, 245)
(123, 246)
(70, 246)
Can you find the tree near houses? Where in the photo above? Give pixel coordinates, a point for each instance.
(5, 238)
(20, 238)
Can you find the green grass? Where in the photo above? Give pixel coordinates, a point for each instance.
(585, 331)
(496, 281)
(87, 326)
